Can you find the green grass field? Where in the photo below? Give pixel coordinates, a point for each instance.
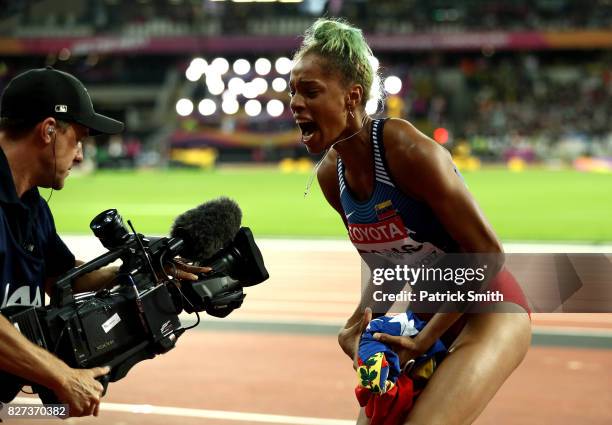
(534, 205)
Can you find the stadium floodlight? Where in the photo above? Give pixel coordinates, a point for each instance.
(374, 62)
(199, 64)
(252, 108)
(215, 85)
(279, 84)
(235, 85)
(64, 54)
(393, 84)
(219, 66)
(283, 65)
(371, 106)
(275, 108)
(260, 84)
(250, 90)
(263, 66)
(440, 135)
(207, 107)
(228, 95)
(192, 73)
(230, 106)
(184, 107)
(375, 89)
(241, 66)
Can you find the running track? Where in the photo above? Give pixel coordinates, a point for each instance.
(276, 361)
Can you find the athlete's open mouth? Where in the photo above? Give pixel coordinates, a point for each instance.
(308, 128)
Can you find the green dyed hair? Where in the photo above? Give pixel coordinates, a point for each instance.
(345, 49)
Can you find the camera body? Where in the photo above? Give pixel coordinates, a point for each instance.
(137, 318)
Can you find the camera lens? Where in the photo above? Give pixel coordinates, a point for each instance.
(109, 228)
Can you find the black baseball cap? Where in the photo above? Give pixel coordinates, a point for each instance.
(37, 94)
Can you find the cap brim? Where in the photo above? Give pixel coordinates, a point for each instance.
(101, 124)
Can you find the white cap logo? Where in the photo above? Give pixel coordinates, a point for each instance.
(61, 108)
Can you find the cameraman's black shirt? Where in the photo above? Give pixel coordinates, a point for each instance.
(30, 248)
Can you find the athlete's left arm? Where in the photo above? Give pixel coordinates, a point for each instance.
(424, 170)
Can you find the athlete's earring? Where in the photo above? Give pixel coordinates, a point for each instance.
(351, 112)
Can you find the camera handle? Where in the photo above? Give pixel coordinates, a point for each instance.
(120, 366)
(48, 397)
(62, 291)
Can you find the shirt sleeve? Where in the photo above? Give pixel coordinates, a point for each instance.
(58, 258)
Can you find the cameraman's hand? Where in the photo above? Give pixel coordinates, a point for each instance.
(183, 271)
(349, 337)
(81, 391)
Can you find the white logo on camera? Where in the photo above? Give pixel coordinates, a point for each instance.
(61, 108)
(111, 322)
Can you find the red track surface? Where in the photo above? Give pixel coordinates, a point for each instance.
(306, 375)
(301, 375)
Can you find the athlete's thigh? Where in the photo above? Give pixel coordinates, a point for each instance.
(488, 349)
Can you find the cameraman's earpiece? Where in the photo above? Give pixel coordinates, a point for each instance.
(51, 132)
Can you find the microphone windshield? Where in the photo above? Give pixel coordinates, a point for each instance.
(207, 228)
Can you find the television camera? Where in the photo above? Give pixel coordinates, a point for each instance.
(137, 318)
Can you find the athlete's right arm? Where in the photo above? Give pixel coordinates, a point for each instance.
(350, 335)
(76, 387)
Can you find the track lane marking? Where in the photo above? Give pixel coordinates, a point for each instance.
(148, 409)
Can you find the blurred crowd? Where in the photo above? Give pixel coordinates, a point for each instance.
(539, 105)
(531, 100)
(173, 17)
(501, 104)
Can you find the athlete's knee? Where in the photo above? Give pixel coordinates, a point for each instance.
(522, 338)
(516, 331)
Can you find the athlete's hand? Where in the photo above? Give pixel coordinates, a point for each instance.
(81, 391)
(349, 338)
(407, 348)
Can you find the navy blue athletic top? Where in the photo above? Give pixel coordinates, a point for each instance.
(404, 230)
(391, 223)
(30, 248)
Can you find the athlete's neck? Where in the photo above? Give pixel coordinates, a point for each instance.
(356, 152)
(357, 158)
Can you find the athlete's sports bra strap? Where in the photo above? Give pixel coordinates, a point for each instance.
(380, 164)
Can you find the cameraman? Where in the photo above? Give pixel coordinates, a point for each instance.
(44, 116)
